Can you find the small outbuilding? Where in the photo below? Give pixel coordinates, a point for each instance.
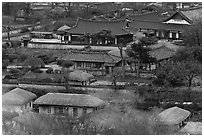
(192, 128)
(174, 117)
(74, 105)
(18, 100)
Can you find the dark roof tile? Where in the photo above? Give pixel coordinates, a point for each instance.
(93, 26)
(90, 57)
(156, 25)
(153, 16)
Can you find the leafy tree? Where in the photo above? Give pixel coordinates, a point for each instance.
(139, 50)
(33, 62)
(177, 73)
(192, 36)
(22, 58)
(168, 75)
(189, 70)
(67, 65)
(189, 53)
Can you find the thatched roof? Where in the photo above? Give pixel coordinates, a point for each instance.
(32, 61)
(192, 128)
(173, 116)
(42, 124)
(69, 100)
(80, 76)
(74, 75)
(17, 97)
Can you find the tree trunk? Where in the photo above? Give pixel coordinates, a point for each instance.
(66, 84)
(190, 82)
(138, 68)
(8, 34)
(121, 55)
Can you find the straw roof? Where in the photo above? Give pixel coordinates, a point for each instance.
(81, 100)
(173, 116)
(80, 75)
(74, 75)
(192, 128)
(34, 62)
(17, 97)
(37, 123)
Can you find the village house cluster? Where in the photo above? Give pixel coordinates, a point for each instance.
(92, 48)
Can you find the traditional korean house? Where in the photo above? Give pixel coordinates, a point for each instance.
(73, 38)
(164, 26)
(174, 118)
(76, 77)
(18, 100)
(163, 51)
(83, 26)
(192, 128)
(96, 63)
(74, 105)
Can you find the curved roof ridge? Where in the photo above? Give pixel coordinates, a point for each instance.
(85, 52)
(142, 13)
(146, 21)
(102, 21)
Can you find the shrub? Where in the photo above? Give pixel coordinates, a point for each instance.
(49, 70)
(14, 70)
(24, 30)
(37, 71)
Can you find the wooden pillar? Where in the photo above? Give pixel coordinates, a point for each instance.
(116, 41)
(90, 40)
(52, 110)
(170, 34)
(106, 41)
(70, 38)
(177, 35)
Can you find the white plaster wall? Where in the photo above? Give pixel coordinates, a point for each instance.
(60, 46)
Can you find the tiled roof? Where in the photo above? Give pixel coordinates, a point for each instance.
(17, 97)
(81, 100)
(174, 115)
(153, 16)
(154, 7)
(161, 53)
(180, 14)
(93, 26)
(90, 57)
(156, 25)
(99, 18)
(167, 44)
